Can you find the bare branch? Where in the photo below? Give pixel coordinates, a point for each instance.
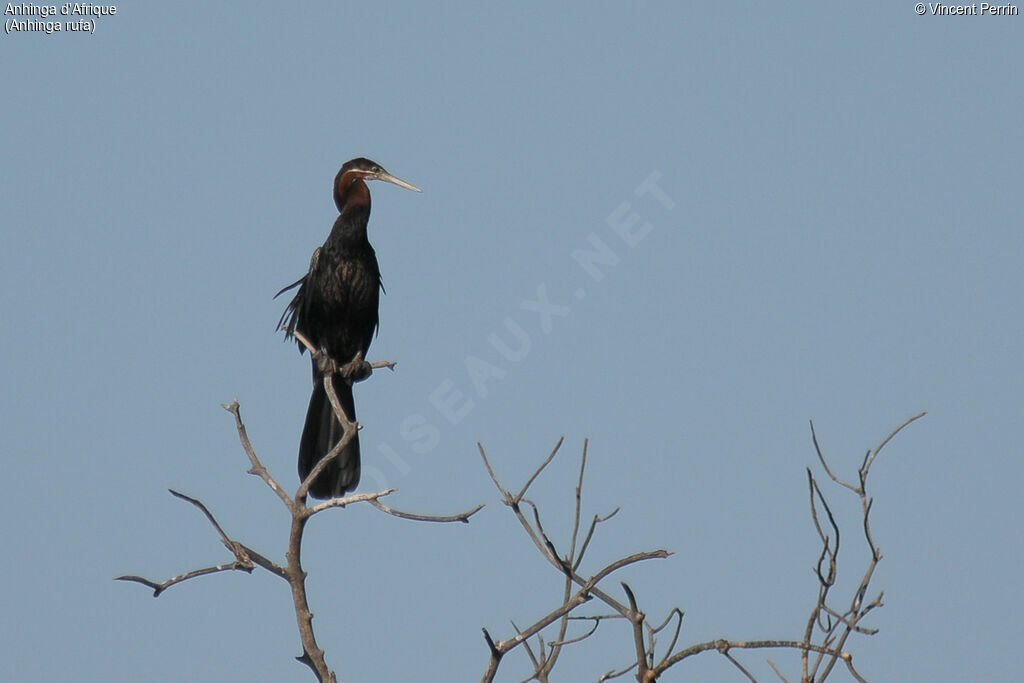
(540, 469)
(347, 500)
(246, 559)
(835, 625)
(570, 561)
(494, 661)
(579, 501)
(548, 543)
(727, 645)
(490, 470)
(636, 617)
(588, 585)
(824, 464)
(223, 536)
(576, 639)
(675, 635)
(459, 517)
(836, 633)
(848, 659)
(376, 365)
(257, 467)
(513, 502)
(243, 554)
(159, 588)
(833, 553)
(662, 625)
(590, 534)
(739, 666)
(500, 648)
(537, 665)
(615, 674)
(867, 463)
(567, 566)
(305, 342)
(776, 670)
(522, 636)
(601, 617)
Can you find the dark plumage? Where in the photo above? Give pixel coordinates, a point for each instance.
(335, 308)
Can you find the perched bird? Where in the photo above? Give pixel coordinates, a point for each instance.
(335, 308)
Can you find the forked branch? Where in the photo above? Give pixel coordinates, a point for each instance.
(822, 645)
(246, 559)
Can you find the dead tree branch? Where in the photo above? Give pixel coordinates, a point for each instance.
(458, 517)
(567, 565)
(292, 571)
(821, 646)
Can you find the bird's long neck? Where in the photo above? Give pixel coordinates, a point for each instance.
(352, 197)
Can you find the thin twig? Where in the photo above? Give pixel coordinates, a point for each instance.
(893, 433)
(675, 635)
(571, 560)
(495, 659)
(159, 588)
(459, 517)
(615, 674)
(776, 670)
(576, 639)
(731, 644)
(848, 658)
(739, 666)
(636, 617)
(209, 516)
(244, 554)
(567, 566)
(598, 519)
(821, 459)
(540, 469)
(347, 500)
(529, 651)
(579, 502)
(257, 466)
(246, 559)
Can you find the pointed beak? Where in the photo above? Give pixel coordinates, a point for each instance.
(384, 175)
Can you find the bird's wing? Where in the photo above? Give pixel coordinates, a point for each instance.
(291, 286)
(290, 318)
(312, 266)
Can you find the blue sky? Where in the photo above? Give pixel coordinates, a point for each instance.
(838, 239)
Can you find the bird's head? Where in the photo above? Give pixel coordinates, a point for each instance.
(349, 188)
(366, 169)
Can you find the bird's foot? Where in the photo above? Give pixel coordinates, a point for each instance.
(324, 363)
(357, 369)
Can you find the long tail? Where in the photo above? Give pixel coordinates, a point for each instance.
(321, 433)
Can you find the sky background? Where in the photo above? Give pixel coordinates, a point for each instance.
(838, 239)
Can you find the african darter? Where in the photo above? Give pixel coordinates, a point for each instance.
(335, 308)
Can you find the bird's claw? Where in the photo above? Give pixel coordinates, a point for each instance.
(356, 370)
(324, 363)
